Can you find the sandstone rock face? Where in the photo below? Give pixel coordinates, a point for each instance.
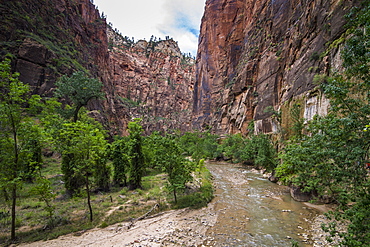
(151, 80)
(257, 58)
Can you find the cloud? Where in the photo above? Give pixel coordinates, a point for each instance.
(179, 19)
(182, 22)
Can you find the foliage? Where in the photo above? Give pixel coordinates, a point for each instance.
(84, 144)
(137, 164)
(79, 89)
(331, 160)
(168, 157)
(256, 149)
(120, 156)
(43, 190)
(202, 197)
(17, 159)
(199, 145)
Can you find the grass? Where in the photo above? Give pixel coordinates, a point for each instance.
(72, 215)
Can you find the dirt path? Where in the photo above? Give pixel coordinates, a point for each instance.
(173, 228)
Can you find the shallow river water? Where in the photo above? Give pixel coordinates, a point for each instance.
(253, 211)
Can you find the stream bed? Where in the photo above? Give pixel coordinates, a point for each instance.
(252, 211)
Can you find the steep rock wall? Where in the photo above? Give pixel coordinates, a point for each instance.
(256, 58)
(50, 38)
(153, 81)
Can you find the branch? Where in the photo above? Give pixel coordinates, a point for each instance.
(144, 216)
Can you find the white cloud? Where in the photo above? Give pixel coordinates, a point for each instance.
(179, 19)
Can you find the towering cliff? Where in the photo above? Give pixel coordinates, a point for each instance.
(49, 38)
(151, 80)
(258, 58)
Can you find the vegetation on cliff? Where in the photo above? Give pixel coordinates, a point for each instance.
(331, 160)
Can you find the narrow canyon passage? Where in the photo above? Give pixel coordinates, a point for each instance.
(252, 211)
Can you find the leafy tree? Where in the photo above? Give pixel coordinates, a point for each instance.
(200, 145)
(168, 156)
(120, 156)
(17, 129)
(43, 190)
(255, 149)
(86, 144)
(265, 155)
(79, 89)
(137, 165)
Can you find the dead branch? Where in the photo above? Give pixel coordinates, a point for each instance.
(143, 216)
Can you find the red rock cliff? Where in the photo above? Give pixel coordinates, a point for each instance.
(50, 38)
(258, 57)
(153, 81)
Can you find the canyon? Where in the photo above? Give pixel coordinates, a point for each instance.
(149, 80)
(256, 60)
(260, 60)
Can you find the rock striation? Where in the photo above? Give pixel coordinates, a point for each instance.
(258, 58)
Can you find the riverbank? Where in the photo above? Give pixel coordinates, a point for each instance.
(184, 227)
(215, 224)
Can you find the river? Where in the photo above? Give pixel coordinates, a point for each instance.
(247, 211)
(253, 211)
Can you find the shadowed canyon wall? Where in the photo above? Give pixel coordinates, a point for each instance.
(258, 58)
(50, 38)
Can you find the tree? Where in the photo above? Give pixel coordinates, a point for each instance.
(79, 89)
(85, 144)
(137, 164)
(168, 157)
(17, 129)
(119, 154)
(200, 145)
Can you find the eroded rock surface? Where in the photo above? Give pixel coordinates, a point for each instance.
(257, 58)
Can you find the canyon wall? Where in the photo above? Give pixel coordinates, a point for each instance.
(258, 58)
(153, 81)
(50, 38)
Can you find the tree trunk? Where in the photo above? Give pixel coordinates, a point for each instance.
(174, 194)
(14, 202)
(75, 113)
(88, 198)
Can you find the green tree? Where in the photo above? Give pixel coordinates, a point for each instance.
(120, 156)
(17, 129)
(200, 145)
(79, 89)
(233, 147)
(43, 190)
(168, 156)
(86, 144)
(137, 164)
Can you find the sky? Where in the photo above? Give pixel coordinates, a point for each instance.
(178, 19)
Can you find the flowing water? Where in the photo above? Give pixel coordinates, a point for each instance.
(252, 211)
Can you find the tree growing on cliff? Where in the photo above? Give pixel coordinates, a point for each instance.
(79, 89)
(17, 130)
